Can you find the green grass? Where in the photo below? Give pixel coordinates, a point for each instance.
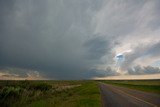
(86, 95)
(152, 86)
(49, 94)
(63, 93)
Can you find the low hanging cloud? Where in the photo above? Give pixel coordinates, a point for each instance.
(143, 70)
(19, 74)
(77, 39)
(109, 71)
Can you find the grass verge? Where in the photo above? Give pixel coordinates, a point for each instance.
(152, 86)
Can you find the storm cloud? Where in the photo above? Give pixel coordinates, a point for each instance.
(143, 70)
(76, 39)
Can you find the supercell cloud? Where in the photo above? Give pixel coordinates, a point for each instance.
(74, 39)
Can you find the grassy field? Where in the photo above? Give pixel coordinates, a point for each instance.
(49, 94)
(63, 93)
(152, 86)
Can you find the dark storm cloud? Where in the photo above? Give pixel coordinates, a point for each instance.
(48, 36)
(97, 47)
(57, 37)
(101, 73)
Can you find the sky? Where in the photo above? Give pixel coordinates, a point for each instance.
(79, 39)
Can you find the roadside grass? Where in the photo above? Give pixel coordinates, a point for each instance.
(17, 93)
(152, 86)
(49, 94)
(86, 95)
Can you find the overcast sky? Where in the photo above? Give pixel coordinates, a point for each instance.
(79, 39)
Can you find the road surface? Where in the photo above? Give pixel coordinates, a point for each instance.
(115, 96)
